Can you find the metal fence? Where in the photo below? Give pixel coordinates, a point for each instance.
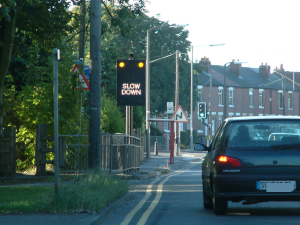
(161, 142)
(118, 152)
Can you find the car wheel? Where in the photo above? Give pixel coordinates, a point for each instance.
(219, 205)
(207, 201)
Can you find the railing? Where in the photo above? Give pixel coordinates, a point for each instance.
(118, 152)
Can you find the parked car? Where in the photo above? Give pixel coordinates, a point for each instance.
(252, 170)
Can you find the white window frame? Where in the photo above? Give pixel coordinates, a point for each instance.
(260, 98)
(166, 125)
(251, 105)
(200, 125)
(200, 94)
(230, 96)
(220, 96)
(290, 100)
(280, 99)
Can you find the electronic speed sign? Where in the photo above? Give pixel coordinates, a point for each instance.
(131, 88)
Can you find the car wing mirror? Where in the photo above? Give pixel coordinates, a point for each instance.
(200, 147)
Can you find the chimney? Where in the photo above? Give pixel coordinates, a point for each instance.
(206, 64)
(265, 70)
(236, 68)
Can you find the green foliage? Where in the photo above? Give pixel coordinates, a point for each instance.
(138, 119)
(34, 104)
(185, 138)
(112, 120)
(154, 131)
(92, 192)
(25, 199)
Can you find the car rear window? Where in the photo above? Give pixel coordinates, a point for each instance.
(263, 133)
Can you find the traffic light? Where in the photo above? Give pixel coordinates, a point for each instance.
(131, 87)
(201, 109)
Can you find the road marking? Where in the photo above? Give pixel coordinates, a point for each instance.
(129, 217)
(154, 203)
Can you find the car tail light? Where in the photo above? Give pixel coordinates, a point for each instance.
(231, 160)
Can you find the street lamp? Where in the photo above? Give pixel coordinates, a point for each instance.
(148, 84)
(283, 90)
(224, 87)
(191, 112)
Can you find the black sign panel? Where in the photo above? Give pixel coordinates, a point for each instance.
(131, 88)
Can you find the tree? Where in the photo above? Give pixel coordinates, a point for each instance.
(44, 21)
(164, 41)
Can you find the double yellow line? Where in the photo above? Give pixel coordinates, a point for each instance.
(154, 203)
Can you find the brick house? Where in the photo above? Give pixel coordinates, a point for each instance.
(250, 92)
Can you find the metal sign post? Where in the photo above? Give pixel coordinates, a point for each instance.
(56, 57)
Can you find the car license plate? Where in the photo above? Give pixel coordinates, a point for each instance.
(276, 186)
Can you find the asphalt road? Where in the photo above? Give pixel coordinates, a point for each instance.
(176, 198)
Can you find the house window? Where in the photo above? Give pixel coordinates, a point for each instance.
(290, 100)
(280, 99)
(199, 125)
(230, 96)
(220, 95)
(200, 95)
(220, 119)
(154, 123)
(260, 98)
(251, 98)
(166, 125)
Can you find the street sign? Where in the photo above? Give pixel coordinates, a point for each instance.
(82, 78)
(170, 107)
(180, 116)
(131, 86)
(87, 72)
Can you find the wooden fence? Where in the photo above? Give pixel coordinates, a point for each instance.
(8, 151)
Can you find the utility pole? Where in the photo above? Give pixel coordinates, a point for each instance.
(210, 114)
(177, 132)
(95, 86)
(129, 114)
(56, 57)
(82, 31)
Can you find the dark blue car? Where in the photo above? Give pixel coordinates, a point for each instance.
(241, 167)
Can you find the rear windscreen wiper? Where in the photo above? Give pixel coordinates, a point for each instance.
(293, 145)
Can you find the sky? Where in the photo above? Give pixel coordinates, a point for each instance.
(253, 31)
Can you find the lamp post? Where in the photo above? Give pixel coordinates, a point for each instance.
(283, 94)
(191, 113)
(191, 107)
(225, 88)
(148, 84)
(225, 91)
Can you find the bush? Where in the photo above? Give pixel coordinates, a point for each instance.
(185, 138)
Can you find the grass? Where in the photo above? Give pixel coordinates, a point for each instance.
(25, 199)
(90, 193)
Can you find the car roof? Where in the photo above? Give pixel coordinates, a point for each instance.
(247, 118)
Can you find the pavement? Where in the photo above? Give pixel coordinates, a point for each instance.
(156, 165)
